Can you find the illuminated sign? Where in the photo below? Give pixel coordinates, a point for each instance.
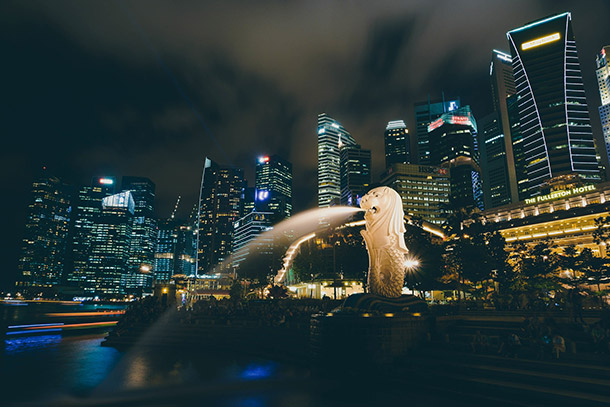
(540, 41)
(262, 195)
(106, 181)
(461, 120)
(560, 194)
(452, 106)
(503, 56)
(262, 160)
(435, 124)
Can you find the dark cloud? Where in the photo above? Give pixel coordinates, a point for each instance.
(152, 87)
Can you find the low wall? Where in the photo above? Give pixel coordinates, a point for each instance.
(354, 340)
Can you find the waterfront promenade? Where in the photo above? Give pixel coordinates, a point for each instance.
(227, 353)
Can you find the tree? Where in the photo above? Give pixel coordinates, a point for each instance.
(237, 291)
(277, 291)
(601, 235)
(428, 252)
(535, 271)
(595, 270)
(310, 261)
(473, 255)
(256, 267)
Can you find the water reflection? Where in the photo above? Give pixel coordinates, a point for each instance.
(30, 343)
(43, 367)
(256, 371)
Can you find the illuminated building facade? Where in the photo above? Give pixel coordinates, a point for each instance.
(274, 186)
(397, 143)
(86, 210)
(563, 217)
(248, 239)
(332, 136)
(494, 168)
(603, 82)
(45, 239)
(248, 200)
(174, 253)
(523, 191)
(111, 247)
(554, 118)
(454, 137)
(144, 228)
(424, 190)
(219, 207)
(425, 113)
(355, 167)
(500, 185)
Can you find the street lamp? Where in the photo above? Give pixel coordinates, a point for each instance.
(411, 263)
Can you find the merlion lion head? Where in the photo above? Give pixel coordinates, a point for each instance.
(384, 213)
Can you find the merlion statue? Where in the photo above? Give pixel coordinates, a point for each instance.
(385, 242)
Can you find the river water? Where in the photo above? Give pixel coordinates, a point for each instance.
(74, 369)
(41, 367)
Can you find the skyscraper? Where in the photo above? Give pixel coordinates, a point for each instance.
(355, 167)
(144, 228)
(86, 209)
(425, 113)
(247, 238)
(247, 201)
(554, 118)
(219, 208)
(274, 186)
(397, 143)
(331, 137)
(603, 82)
(424, 190)
(494, 168)
(174, 253)
(43, 253)
(110, 246)
(523, 191)
(501, 149)
(454, 137)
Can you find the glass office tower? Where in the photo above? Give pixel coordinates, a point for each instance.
(425, 113)
(174, 253)
(110, 246)
(219, 209)
(554, 118)
(332, 136)
(603, 82)
(355, 174)
(144, 228)
(397, 143)
(274, 186)
(43, 252)
(454, 137)
(86, 210)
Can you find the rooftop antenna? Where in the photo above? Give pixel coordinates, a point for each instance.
(175, 208)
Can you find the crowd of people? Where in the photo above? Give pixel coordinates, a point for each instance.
(140, 313)
(540, 338)
(546, 338)
(262, 312)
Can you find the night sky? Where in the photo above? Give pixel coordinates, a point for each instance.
(151, 88)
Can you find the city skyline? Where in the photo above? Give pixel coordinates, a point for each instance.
(158, 119)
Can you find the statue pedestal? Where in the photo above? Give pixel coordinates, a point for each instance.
(357, 338)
